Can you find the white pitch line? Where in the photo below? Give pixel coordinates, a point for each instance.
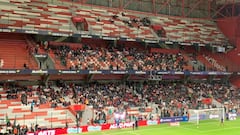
(134, 133)
(138, 130)
(222, 128)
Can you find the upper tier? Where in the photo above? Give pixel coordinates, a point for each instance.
(56, 16)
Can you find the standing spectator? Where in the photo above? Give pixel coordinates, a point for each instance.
(32, 105)
(1, 63)
(136, 124)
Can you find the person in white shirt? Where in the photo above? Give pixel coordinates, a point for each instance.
(1, 63)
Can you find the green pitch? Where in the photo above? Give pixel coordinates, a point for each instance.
(185, 128)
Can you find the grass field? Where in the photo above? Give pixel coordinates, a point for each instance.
(185, 128)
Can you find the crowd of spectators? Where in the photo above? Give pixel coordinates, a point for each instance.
(17, 129)
(61, 52)
(171, 98)
(117, 59)
(131, 22)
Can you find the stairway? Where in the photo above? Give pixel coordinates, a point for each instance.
(87, 114)
(218, 104)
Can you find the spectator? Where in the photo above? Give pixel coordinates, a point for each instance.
(1, 63)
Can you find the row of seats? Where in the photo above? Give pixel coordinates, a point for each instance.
(101, 22)
(42, 114)
(35, 15)
(116, 59)
(191, 30)
(14, 52)
(56, 16)
(94, 58)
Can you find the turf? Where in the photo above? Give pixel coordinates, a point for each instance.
(185, 128)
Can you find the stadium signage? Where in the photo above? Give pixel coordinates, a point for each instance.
(179, 73)
(212, 73)
(213, 116)
(39, 71)
(226, 73)
(86, 36)
(74, 130)
(151, 41)
(185, 43)
(8, 71)
(173, 119)
(109, 38)
(68, 71)
(5, 30)
(140, 72)
(174, 124)
(152, 122)
(40, 55)
(119, 72)
(60, 34)
(94, 128)
(95, 72)
(130, 39)
(168, 42)
(122, 125)
(45, 132)
(196, 73)
(31, 32)
(163, 72)
(166, 120)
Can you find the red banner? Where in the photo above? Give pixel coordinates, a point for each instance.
(77, 107)
(81, 129)
(207, 101)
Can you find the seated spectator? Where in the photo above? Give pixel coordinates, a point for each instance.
(115, 16)
(25, 66)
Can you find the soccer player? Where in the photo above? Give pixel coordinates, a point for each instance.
(136, 124)
(222, 122)
(118, 123)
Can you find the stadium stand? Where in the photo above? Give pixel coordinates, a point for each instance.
(115, 59)
(196, 31)
(14, 52)
(57, 17)
(171, 99)
(188, 76)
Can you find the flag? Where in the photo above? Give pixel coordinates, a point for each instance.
(7, 120)
(14, 122)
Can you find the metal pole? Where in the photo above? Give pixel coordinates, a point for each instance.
(169, 9)
(154, 6)
(24, 119)
(209, 9)
(51, 119)
(77, 122)
(233, 8)
(66, 119)
(183, 6)
(36, 119)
